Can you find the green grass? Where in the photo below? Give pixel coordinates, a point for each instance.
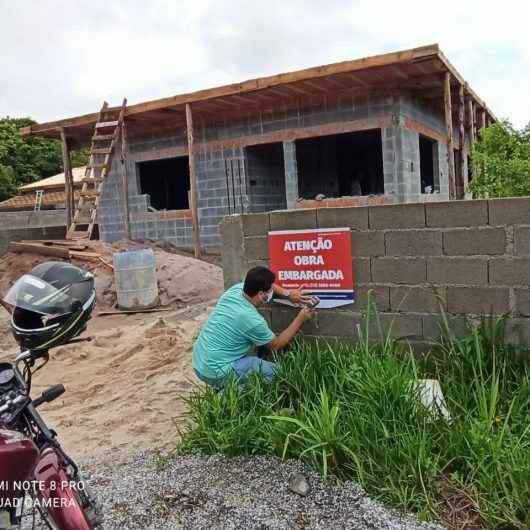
(350, 411)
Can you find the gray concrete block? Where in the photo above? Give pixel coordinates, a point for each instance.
(282, 316)
(396, 325)
(457, 214)
(257, 224)
(416, 299)
(474, 241)
(338, 323)
(397, 216)
(457, 271)
(257, 263)
(522, 301)
(356, 218)
(368, 243)
(434, 327)
(478, 300)
(522, 240)
(513, 211)
(361, 267)
(398, 270)
(413, 243)
(369, 294)
(256, 247)
(293, 219)
(517, 332)
(232, 250)
(509, 271)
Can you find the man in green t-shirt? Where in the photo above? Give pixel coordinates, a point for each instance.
(235, 326)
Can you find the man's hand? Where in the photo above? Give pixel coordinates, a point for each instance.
(306, 313)
(296, 296)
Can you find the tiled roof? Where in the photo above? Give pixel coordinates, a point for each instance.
(27, 201)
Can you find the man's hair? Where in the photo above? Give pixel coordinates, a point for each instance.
(258, 279)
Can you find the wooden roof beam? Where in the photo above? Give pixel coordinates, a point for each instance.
(247, 86)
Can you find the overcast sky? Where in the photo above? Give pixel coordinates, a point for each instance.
(63, 58)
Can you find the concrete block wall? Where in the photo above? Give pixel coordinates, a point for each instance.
(468, 258)
(18, 226)
(265, 181)
(400, 160)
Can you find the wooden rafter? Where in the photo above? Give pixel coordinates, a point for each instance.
(367, 72)
(449, 130)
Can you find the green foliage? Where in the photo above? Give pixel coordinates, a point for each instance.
(351, 411)
(8, 186)
(501, 162)
(25, 160)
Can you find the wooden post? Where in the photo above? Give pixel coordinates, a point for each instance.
(482, 118)
(193, 183)
(125, 180)
(68, 184)
(462, 142)
(449, 129)
(471, 113)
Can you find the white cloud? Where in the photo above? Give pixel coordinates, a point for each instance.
(63, 58)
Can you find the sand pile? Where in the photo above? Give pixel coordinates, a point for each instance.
(182, 279)
(124, 387)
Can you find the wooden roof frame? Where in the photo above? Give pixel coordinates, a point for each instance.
(285, 82)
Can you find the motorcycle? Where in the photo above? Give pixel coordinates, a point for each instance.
(36, 475)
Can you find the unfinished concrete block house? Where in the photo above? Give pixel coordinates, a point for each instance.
(384, 129)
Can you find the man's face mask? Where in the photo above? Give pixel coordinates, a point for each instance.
(268, 296)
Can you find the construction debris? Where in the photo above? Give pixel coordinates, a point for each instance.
(58, 249)
(181, 279)
(132, 311)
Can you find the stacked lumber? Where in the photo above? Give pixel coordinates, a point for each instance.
(58, 249)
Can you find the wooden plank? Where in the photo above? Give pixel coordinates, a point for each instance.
(125, 180)
(471, 120)
(449, 130)
(462, 81)
(193, 184)
(67, 173)
(482, 118)
(67, 244)
(88, 256)
(102, 137)
(106, 124)
(132, 311)
(106, 263)
(38, 249)
(400, 57)
(462, 141)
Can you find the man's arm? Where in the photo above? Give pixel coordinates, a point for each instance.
(291, 330)
(296, 296)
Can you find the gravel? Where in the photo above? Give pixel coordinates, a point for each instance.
(215, 492)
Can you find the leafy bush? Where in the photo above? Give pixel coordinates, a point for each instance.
(350, 410)
(501, 162)
(25, 160)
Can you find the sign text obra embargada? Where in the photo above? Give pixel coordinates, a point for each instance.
(317, 260)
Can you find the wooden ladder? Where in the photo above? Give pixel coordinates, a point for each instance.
(106, 134)
(38, 200)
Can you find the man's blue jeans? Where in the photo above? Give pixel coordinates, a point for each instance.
(241, 369)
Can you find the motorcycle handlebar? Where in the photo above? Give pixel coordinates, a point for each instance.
(49, 395)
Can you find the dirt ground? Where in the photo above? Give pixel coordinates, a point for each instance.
(124, 387)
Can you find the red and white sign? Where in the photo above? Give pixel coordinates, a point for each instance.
(319, 261)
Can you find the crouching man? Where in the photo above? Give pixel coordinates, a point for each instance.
(235, 327)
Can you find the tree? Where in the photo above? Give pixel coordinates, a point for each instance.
(27, 159)
(501, 162)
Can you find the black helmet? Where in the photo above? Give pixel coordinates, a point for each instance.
(50, 305)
